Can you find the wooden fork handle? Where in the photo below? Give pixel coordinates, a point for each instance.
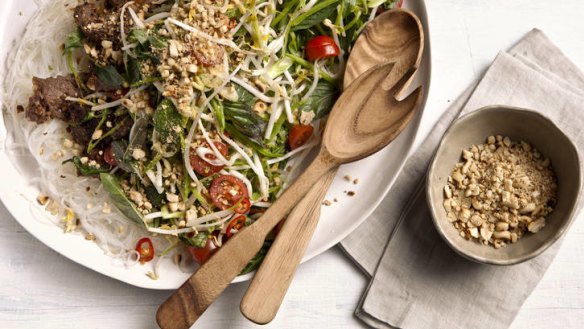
(270, 283)
(189, 302)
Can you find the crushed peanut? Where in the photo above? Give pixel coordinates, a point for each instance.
(499, 191)
(42, 199)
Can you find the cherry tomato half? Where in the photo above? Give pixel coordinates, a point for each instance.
(145, 248)
(299, 135)
(202, 255)
(226, 191)
(321, 46)
(399, 4)
(109, 158)
(242, 206)
(236, 223)
(203, 167)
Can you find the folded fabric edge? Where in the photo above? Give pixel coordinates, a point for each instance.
(360, 313)
(372, 321)
(535, 43)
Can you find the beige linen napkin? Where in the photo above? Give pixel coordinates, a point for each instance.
(417, 280)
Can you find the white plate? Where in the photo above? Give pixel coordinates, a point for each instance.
(376, 174)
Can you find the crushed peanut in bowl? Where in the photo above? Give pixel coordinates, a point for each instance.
(500, 191)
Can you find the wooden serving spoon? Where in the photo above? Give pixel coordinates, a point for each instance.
(393, 37)
(364, 120)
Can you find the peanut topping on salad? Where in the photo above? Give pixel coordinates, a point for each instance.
(191, 115)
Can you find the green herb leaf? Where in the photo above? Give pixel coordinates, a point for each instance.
(233, 13)
(219, 113)
(155, 198)
(260, 148)
(84, 168)
(138, 35)
(109, 76)
(197, 241)
(133, 71)
(250, 125)
(281, 18)
(119, 149)
(279, 67)
(157, 42)
(200, 240)
(146, 40)
(244, 96)
(279, 139)
(122, 149)
(322, 99)
(168, 123)
(242, 116)
(313, 17)
(374, 3)
(120, 200)
(139, 131)
(73, 41)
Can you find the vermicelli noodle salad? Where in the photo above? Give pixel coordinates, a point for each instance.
(161, 128)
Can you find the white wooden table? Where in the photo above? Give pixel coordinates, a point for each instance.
(41, 289)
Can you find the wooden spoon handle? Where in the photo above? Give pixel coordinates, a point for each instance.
(189, 302)
(270, 283)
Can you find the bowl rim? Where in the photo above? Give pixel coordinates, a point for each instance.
(432, 167)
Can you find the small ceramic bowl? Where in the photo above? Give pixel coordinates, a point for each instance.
(518, 125)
